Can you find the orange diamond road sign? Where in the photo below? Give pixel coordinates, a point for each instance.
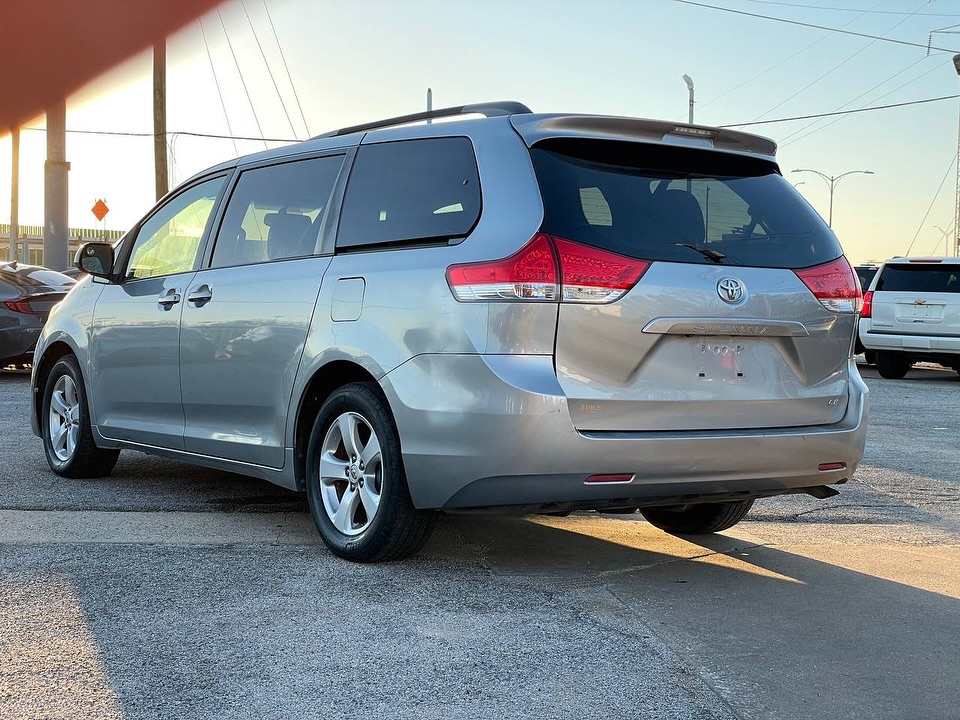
(100, 209)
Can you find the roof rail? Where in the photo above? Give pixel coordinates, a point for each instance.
(488, 109)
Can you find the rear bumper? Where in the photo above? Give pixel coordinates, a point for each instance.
(17, 343)
(920, 344)
(494, 430)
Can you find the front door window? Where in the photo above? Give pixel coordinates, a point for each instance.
(169, 242)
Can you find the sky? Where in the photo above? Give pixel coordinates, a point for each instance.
(298, 68)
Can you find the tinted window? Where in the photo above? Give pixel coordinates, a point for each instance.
(920, 277)
(275, 212)
(416, 190)
(865, 274)
(678, 204)
(169, 242)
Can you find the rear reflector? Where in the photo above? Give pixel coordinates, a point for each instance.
(867, 304)
(834, 284)
(609, 479)
(549, 269)
(824, 467)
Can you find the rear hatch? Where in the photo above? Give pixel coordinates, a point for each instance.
(917, 297)
(744, 312)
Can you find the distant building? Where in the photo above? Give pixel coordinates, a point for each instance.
(30, 242)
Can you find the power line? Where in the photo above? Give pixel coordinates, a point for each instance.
(240, 73)
(286, 69)
(269, 70)
(216, 82)
(927, 213)
(842, 9)
(776, 65)
(841, 112)
(811, 25)
(116, 133)
(835, 67)
(835, 120)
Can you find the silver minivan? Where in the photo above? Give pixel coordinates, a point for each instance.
(540, 313)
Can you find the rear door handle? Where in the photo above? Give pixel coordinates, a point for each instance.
(200, 295)
(169, 298)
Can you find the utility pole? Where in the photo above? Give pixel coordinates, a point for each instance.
(429, 102)
(160, 117)
(14, 195)
(689, 81)
(56, 233)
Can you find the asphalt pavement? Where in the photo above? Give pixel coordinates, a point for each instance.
(170, 591)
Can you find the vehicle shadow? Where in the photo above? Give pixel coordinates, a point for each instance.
(839, 630)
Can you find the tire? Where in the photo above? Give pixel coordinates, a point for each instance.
(701, 519)
(870, 357)
(349, 480)
(65, 420)
(892, 365)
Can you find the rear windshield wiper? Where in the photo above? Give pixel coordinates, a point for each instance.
(709, 253)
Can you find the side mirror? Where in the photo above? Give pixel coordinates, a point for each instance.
(95, 258)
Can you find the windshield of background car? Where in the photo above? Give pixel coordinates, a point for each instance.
(919, 277)
(660, 202)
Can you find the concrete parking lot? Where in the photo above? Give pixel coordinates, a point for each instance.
(169, 591)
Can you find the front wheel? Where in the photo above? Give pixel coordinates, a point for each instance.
(893, 365)
(701, 519)
(356, 485)
(67, 437)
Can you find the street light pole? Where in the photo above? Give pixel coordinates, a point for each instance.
(689, 81)
(956, 215)
(832, 181)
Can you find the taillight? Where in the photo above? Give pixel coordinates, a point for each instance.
(834, 284)
(867, 304)
(589, 275)
(548, 269)
(23, 306)
(529, 274)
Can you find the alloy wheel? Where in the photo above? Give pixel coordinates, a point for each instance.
(351, 473)
(64, 425)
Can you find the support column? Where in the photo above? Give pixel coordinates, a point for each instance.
(56, 233)
(14, 194)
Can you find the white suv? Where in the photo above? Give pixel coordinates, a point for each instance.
(911, 313)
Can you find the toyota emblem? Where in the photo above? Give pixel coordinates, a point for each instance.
(731, 290)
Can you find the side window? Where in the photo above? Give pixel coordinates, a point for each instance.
(169, 242)
(275, 212)
(411, 191)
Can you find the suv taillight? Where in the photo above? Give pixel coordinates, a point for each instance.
(867, 304)
(547, 269)
(834, 284)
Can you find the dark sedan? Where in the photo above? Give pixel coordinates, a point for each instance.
(27, 293)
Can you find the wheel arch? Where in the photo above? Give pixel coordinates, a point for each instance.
(324, 382)
(51, 354)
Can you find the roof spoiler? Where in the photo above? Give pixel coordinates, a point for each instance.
(488, 109)
(535, 128)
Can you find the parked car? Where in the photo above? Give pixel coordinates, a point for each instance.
(865, 274)
(911, 313)
(519, 311)
(27, 292)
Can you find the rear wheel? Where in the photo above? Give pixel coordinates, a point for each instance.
(356, 485)
(700, 519)
(892, 365)
(870, 357)
(67, 437)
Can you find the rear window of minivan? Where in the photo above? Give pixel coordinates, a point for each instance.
(919, 277)
(668, 203)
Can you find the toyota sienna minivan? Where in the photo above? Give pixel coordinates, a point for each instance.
(516, 311)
